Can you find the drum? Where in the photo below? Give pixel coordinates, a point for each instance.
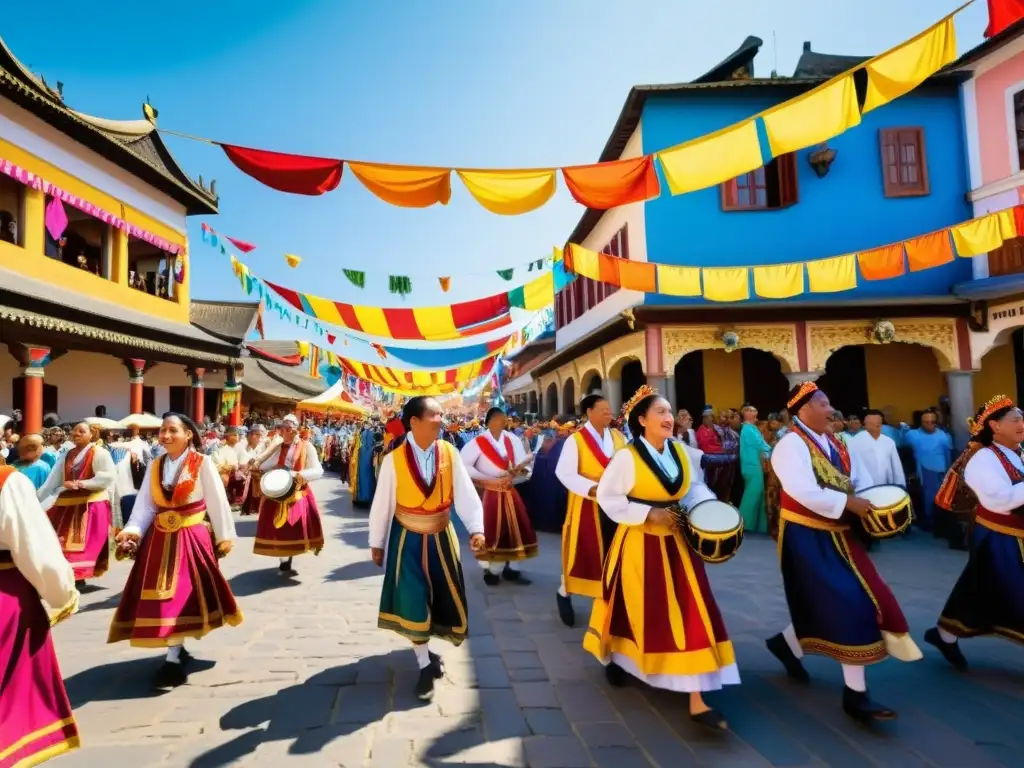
(277, 484)
(892, 511)
(714, 530)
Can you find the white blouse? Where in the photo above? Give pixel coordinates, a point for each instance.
(208, 485)
(791, 460)
(27, 533)
(619, 478)
(984, 474)
(482, 468)
(104, 474)
(467, 501)
(568, 468)
(311, 467)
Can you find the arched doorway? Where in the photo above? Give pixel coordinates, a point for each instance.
(764, 384)
(729, 379)
(632, 379)
(1001, 371)
(531, 402)
(591, 384)
(569, 397)
(551, 400)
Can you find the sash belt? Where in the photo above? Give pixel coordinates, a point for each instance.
(171, 521)
(419, 521)
(817, 522)
(75, 498)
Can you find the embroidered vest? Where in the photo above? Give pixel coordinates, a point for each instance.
(422, 507)
(592, 461)
(187, 491)
(83, 471)
(830, 471)
(647, 486)
(1012, 523)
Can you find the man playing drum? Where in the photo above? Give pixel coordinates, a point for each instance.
(839, 605)
(587, 531)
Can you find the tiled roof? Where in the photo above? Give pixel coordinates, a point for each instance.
(231, 321)
(281, 382)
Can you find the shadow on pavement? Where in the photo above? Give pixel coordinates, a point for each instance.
(122, 680)
(364, 569)
(264, 580)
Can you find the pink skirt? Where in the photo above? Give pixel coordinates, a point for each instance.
(84, 533)
(36, 722)
(175, 590)
(297, 532)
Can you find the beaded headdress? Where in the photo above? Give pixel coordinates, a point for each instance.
(806, 389)
(640, 394)
(997, 403)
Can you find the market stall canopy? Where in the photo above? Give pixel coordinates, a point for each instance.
(332, 401)
(104, 423)
(142, 421)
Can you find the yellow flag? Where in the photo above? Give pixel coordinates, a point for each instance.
(712, 159)
(979, 236)
(838, 273)
(904, 68)
(779, 281)
(510, 192)
(678, 281)
(585, 262)
(726, 283)
(1007, 224)
(813, 117)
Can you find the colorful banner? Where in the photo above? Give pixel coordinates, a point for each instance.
(420, 382)
(804, 121)
(782, 281)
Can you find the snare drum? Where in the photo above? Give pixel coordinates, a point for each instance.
(277, 484)
(892, 511)
(714, 530)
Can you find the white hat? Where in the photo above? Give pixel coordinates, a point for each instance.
(290, 419)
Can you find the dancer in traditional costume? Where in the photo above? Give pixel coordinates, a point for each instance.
(364, 470)
(656, 618)
(290, 526)
(36, 722)
(988, 598)
(587, 531)
(411, 534)
(255, 444)
(76, 496)
(839, 605)
(175, 589)
(495, 461)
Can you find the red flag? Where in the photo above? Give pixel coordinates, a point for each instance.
(1003, 14)
(241, 245)
(298, 174)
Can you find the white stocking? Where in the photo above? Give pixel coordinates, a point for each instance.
(789, 635)
(422, 654)
(855, 678)
(561, 588)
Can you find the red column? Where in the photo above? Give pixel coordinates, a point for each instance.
(136, 368)
(34, 360)
(233, 388)
(198, 394)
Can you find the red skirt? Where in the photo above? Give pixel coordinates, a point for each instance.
(237, 489)
(289, 532)
(508, 531)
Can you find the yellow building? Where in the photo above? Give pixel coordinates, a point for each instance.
(94, 263)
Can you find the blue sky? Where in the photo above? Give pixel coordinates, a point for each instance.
(449, 82)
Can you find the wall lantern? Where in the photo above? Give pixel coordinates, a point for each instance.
(821, 159)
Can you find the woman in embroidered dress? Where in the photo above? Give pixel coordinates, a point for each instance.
(36, 722)
(76, 496)
(496, 461)
(290, 526)
(587, 531)
(657, 618)
(988, 598)
(175, 589)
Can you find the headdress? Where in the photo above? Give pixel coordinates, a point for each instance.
(997, 403)
(290, 419)
(640, 394)
(802, 395)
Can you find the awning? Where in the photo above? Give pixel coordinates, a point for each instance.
(331, 402)
(518, 386)
(989, 288)
(280, 382)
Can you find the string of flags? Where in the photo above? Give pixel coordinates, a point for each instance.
(707, 161)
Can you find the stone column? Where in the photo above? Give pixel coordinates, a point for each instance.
(33, 360)
(198, 394)
(961, 404)
(136, 369)
(613, 390)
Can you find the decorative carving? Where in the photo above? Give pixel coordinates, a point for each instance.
(778, 340)
(937, 333)
(883, 332)
(631, 346)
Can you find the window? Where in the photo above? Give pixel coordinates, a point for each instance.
(12, 195)
(1007, 259)
(768, 188)
(1017, 128)
(150, 269)
(904, 163)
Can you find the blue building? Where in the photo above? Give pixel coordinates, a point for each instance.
(898, 343)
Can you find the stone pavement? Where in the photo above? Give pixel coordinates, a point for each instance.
(307, 679)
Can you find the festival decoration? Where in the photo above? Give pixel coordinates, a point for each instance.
(1003, 14)
(883, 332)
(782, 281)
(730, 341)
(804, 121)
(446, 283)
(400, 285)
(419, 382)
(357, 278)
(292, 260)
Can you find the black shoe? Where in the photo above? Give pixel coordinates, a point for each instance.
(437, 665)
(509, 575)
(861, 708)
(185, 658)
(491, 579)
(425, 685)
(615, 675)
(711, 719)
(170, 675)
(780, 650)
(950, 651)
(565, 611)
(79, 584)
(286, 567)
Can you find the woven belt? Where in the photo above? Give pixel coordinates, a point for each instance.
(427, 523)
(817, 522)
(74, 498)
(171, 522)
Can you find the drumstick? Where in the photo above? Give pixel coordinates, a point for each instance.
(269, 452)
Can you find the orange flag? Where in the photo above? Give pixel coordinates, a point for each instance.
(929, 251)
(882, 263)
(638, 276)
(607, 185)
(408, 186)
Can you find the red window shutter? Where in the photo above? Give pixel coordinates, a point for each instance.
(624, 239)
(904, 164)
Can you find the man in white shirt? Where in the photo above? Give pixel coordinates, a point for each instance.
(877, 452)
